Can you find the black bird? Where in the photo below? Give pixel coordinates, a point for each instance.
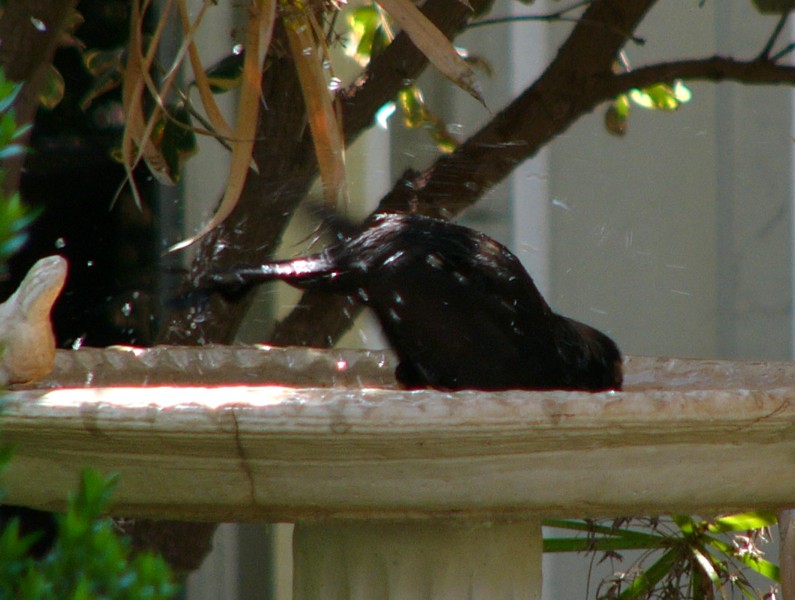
(457, 307)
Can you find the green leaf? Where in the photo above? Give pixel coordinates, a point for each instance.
(648, 578)
(176, 139)
(107, 70)
(412, 103)
(368, 36)
(764, 567)
(22, 130)
(661, 96)
(687, 524)
(416, 115)
(8, 128)
(52, 89)
(681, 92)
(651, 538)
(616, 116)
(99, 62)
(14, 547)
(8, 92)
(226, 74)
(743, 521)
(760, 565)
(705, 563)
(12, 150)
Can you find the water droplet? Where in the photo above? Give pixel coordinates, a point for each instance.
(307, 51)
(89, 263)
(395, 257)
(560, 204)
(434, 260)
(341, 365)
(78, 342)
(126, 309)
(460, 277)
(383, 114)
(363, 295)
(398, 298)
(38, 24)
(393, 315)
(237, 49)
(334, 84)
(60, 243)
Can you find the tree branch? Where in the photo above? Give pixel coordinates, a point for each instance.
(285, 155)
(575, 83)
(543, 111)
(456, 181)
(401, 61)
(771, 41)
(714, 68)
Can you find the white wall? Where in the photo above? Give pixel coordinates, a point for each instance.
(676, 238)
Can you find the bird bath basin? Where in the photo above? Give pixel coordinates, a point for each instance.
(395, 493)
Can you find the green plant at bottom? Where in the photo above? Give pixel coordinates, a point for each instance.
(681, 557)
(89, 559)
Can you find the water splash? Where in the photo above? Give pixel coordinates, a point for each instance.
(39, 24)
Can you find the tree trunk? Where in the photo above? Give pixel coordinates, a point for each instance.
(284, 154)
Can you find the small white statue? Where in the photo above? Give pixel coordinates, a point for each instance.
(27, 342)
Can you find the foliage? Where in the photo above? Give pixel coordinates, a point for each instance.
(88, 559)
(14, 216)
(681, 557)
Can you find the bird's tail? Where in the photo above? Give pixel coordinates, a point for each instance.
(299, 272)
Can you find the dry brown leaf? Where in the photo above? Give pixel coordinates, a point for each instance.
(258, 36)
(433, 44)
(135, 131)
(323, 121)
(216, 118)
(153, 156)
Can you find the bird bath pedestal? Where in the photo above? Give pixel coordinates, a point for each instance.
(399, 494)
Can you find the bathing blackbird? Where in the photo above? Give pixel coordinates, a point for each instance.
(458, 308)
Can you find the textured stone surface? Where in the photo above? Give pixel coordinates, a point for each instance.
(691, 436)
(213, 365)
(27, 343)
